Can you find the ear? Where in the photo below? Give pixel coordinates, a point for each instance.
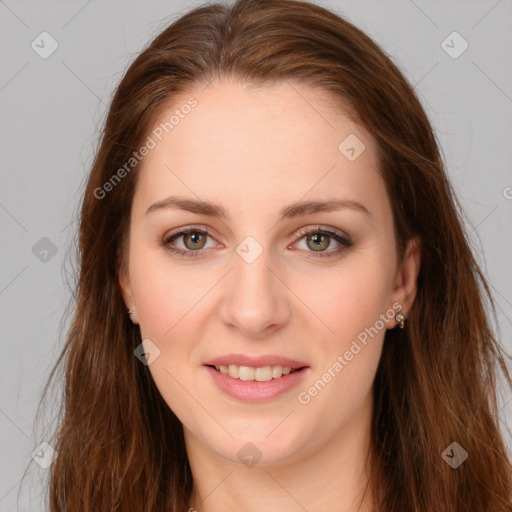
(406, 280)
(126, 291)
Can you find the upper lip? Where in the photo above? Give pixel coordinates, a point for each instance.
(255, 361)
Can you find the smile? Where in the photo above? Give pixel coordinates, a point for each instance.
(256, 384)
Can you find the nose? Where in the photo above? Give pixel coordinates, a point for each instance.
(256, 299)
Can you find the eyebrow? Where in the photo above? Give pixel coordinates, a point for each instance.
(294, 210)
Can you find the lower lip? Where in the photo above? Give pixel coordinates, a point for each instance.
(254, 391)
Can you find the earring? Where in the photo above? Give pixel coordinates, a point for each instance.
(131, 312)
(400, 319)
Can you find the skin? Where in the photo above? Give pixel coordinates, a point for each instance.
(254, 151)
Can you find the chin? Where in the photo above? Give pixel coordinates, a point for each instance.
(261, 445)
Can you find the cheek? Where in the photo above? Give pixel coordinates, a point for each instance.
(354, 304)
(170, 310)
(172, 305)
(166, 294)
(351, 297)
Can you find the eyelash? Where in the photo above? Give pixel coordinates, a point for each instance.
(344, 241)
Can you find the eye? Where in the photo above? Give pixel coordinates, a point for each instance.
(194, 240)
(318, 239)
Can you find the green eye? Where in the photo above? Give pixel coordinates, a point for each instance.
(318, 240)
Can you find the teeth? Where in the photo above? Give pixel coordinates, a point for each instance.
(233, 371)
(246, 373)
(260, 374)
(277, 371)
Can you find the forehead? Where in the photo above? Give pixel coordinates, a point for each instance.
(278, 142)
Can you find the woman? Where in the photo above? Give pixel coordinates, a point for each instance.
(277, 306)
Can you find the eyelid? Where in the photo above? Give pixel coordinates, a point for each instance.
(187, 228)
(324, 229)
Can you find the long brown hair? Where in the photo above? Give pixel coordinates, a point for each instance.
(118, 442)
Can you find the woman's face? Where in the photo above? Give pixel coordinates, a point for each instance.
(261, 291)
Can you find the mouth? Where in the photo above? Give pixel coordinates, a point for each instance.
(257, 383)
(255, 373)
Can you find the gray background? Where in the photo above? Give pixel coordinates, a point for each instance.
(51, 110)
